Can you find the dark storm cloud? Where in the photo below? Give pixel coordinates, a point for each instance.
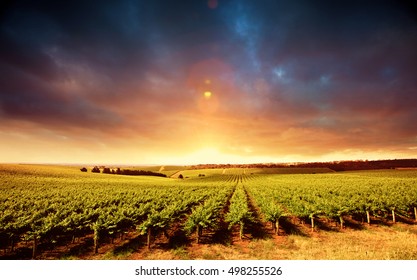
(350, 56)
(29, 34)
(115, 42)
(345, 68)
(331, 67)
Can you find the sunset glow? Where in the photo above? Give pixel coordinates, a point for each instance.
(208, 155)
(187, 82)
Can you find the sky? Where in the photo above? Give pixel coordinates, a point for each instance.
(188, 82)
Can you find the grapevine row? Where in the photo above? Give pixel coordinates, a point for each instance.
(207, 215)
(44, 214)
(334, 196)
(239, 212)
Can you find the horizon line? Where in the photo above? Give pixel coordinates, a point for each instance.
(196, 164)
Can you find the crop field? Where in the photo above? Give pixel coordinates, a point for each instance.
(59, 212)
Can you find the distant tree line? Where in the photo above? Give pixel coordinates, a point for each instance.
(363, 164)
(334, 165)
(118, 171)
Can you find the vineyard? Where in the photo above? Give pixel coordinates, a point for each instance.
(45, 207)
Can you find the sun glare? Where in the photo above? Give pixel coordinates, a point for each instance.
(207, 94)
(213, 155)
(207, 155)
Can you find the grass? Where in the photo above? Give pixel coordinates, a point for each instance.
(239, 171)
(289, 170)
(373, 244)
(397, 242)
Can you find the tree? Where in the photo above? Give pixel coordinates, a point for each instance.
(95, 169)
(180, 176)
(106, 170)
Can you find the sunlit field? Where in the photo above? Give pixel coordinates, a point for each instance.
(59, 212)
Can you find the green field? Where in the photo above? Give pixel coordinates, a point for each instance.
(238, 213)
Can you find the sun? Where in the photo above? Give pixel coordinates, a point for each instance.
(207, 155)
(211, 155)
